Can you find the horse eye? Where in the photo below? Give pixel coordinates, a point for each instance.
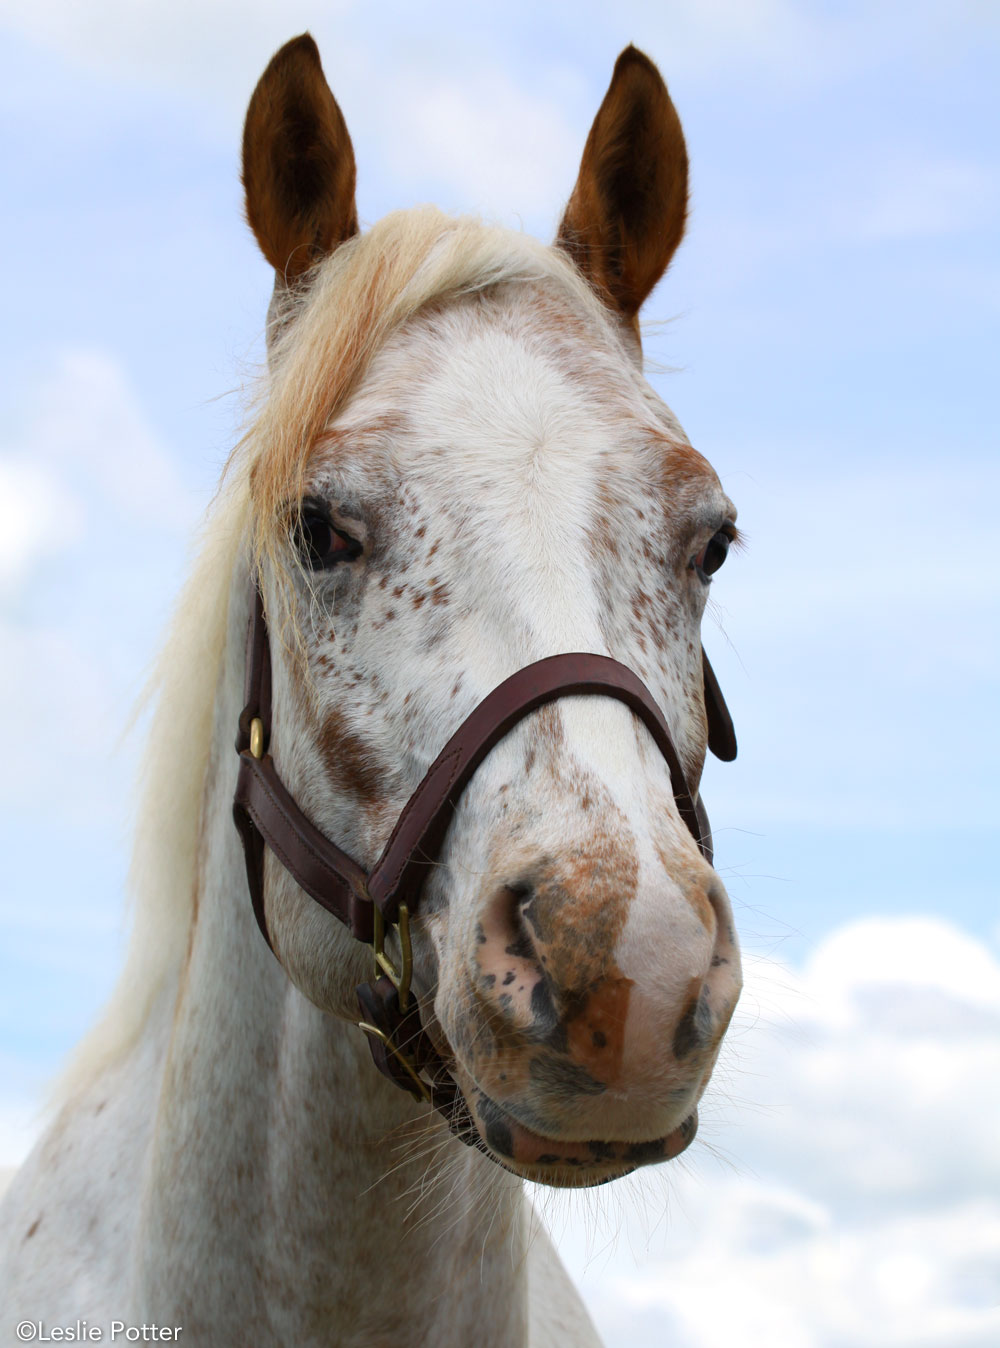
(711, 556)
(319, 544)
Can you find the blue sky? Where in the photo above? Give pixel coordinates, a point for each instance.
(828, 338)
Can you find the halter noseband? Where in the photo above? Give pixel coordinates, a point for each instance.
(371, 904)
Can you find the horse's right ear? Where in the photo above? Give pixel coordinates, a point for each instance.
(298, 163)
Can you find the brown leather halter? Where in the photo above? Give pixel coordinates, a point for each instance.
(371, 904)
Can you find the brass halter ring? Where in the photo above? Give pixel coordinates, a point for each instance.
(402, 977)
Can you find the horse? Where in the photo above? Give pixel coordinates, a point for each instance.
(458, 510)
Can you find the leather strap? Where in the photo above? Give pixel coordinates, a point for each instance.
(721, 732)
(328, 875)
(416, 841)
(266, 814)
(257, 674)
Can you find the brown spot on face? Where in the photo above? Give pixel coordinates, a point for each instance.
(596, 1034)
(33, 1228)
(350, 762)
(565, 919)
(578, 909)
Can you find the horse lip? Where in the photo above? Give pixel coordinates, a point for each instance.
(551, 1160)
(517, 1146)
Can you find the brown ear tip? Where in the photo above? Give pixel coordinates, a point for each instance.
(297, 47)
(632, 58)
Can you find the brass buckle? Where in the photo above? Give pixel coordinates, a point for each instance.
(402, 977)
(257, 737)
(411, 1068)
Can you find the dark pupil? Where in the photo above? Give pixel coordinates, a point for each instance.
(315, 539)
(715, 554)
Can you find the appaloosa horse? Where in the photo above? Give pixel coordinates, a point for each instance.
(449, 605)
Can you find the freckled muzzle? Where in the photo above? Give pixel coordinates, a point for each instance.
(581, 1047)
(369, 904)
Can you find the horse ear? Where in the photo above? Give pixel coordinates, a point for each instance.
(627, 212)
(298, 162)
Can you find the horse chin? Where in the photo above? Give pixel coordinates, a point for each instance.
(566, 1163)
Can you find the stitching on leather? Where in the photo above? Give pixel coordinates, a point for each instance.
(456, 756)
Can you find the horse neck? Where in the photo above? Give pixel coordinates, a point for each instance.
(287, 1176)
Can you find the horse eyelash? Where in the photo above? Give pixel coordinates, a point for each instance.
(738, 540)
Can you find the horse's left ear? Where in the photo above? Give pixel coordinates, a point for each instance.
(627, 212)
(298, 163)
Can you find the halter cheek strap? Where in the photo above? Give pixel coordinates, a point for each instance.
(372, 904)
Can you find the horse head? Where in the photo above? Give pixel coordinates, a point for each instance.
(460, 470)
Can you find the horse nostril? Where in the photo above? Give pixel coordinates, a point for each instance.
(520, 943)
(512, 959)
(520, 889)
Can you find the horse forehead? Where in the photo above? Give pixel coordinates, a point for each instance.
(510, 412)
(493, 382)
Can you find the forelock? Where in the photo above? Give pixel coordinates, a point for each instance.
(341, 316)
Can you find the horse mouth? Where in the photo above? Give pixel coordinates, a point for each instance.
(569, 1164)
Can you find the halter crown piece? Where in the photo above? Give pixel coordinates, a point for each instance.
(372, 905)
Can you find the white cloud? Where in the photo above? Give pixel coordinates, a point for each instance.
(858, 1104)
(38, 518)
(191, 45)
(88, 425)
(426, 102)
(493, 140)
(207, 47)
(55, 742)
(923, 955)
(760, 1268)
(95, 518)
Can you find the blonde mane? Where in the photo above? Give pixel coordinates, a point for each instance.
(332, 327)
